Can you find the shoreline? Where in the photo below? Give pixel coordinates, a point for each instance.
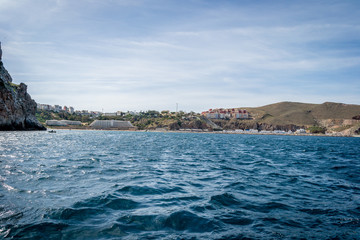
(204, 132)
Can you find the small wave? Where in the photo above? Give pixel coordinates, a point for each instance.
(115, 230)
(184, 198)
(344, 186)
(75, 214)
(355, 211)
(318, 211)
(349, 222)
(237, 220)
(92, 207)
(8, 187)
(225, 199)
(142, 222)
(292, 180)
(85, 167)
(37, 231)
(239, 236)
(184, 220)
(46, 178)
(270, 220)
(6, 215)
(121, 204)
(202, 208)
(276, 205)
(339, 167)
(266, 207)
(292, 223)
(225, 167)
(208, 179)
(236, 185)
(138, 190)
(108, 201)
(179, 221)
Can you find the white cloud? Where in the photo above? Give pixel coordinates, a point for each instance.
(120, 52)
(8, 4)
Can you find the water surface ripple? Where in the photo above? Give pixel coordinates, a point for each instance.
(137, 185)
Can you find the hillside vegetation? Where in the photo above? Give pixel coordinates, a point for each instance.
(149, 120)
(303, 113)
(333, 117)
(317, 118)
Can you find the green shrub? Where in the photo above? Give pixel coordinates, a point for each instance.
(317, 129)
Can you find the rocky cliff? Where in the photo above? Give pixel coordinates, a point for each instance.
(17, 109)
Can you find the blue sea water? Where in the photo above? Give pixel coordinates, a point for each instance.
(138, 185)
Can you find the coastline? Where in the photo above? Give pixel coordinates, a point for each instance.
(205, 132)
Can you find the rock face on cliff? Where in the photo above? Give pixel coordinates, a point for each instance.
(17, 109)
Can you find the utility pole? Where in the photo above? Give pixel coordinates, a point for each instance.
(177, 106)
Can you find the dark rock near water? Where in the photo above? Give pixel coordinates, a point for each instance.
(17, 109)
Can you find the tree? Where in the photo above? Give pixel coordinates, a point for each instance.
(317, 129)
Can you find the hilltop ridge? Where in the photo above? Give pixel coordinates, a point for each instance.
(331, 116)
(303, 113)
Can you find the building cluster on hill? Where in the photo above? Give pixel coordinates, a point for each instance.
(96, 124)
(55, 108)
(71, 110)
(118, 113)
(62, 123)
(222, 113)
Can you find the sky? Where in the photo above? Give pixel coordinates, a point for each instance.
(138, 55)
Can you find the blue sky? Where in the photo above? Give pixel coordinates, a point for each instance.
(151, 54)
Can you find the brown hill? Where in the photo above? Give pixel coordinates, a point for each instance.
(334, 117)
(303, 113)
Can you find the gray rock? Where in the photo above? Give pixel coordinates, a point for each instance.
(17, 109)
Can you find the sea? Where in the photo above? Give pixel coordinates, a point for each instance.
(147, 185)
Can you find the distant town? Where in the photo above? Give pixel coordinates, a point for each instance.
(219, 113)
(69, 118)
(279, 118)
(71, 110)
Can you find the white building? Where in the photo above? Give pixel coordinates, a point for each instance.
(62, 123)
(300, 131)
(109, 114)
(45, 107)
(111, 124)
(279, 131)
(239, 130)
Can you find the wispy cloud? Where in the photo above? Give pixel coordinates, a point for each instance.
(148, 54)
